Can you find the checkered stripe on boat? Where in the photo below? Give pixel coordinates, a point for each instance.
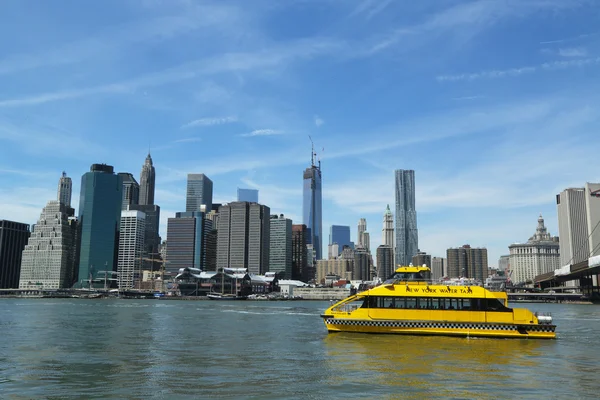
(438, 325)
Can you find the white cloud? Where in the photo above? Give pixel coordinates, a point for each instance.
(319, 121)
(513, 72)
(573, 52)
(188, 140)
(262, 132)
(209, 122)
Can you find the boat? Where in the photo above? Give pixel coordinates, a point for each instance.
(408, 303)
(225, 296)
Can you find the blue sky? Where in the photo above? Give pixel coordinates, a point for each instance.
(494, 104)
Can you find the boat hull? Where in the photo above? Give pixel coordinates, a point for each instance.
(221, 297)
(442, 328)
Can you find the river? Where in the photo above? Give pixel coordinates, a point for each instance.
(159, 349)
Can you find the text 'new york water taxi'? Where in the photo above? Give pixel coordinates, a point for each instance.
(407, 303)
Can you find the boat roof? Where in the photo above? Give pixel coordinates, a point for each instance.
(412, 268)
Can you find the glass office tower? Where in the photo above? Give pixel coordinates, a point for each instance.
(312, 215)
(249, 195)
(407, 237)
(99, 219)
(199, 191)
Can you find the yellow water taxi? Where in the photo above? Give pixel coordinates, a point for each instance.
(407, 303)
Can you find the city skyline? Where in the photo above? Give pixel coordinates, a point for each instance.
(494, 122)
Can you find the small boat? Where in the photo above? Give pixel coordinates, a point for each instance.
(225, 296)
(407, 303)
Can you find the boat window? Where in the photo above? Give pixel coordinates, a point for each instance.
(496, 305)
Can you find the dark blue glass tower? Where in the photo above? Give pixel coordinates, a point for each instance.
(340, 234)
(99, 219)
(312, 215)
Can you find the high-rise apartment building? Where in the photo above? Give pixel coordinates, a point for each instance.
(439, 268)
(100, 202)
(188, 236)
(131, 190)
(199, 192)
(504, 264)
(13, 239)
(467, 262)
(280, 252)
(385, 261)
(362, 265)
(65, 189)
(578, 220)
(538, 256)
(387, 232)
(249, 195)
(333, 251)
(49, 256)
(407, 237)
(312, 203)
(422, 258)
(299, 253)
(131, 248)
(147, 180)
(243, 237)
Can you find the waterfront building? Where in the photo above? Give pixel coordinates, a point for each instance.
(131, 248)
(299, 253)
(504, 264)
(211, 247)
(100, 202)
(385, 261)
(189, 236)
(65, 189)
(312, 204)
(439, 268)
(131, 190)
(199, 192)
(538, 256)
(422, 258)
(578, 219)
(244, 237)
(340, 268)
(407, 237)
(249, 195)
(49, 257)
(13, 239)
(311, 257)
(280, 253)
(147, 181)
(151, 235)
(387, 232)
(467, 262)
(340, 235)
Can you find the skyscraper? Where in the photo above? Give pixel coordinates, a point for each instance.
(407, 237)
(280, 252)
(312, 215)
(65, 188)
(243, 237)
(151, 210)
(49, 257)
(13, 238)
(131, 190)
(131, 247)
(100, 202)
(299, 253)
(147, 178)
(385, 261)
(439, 267)
(363, 235)
(578, 219)
(340, 234)
(387, 233)
(188, 241)
(249, 195)
(199, 191)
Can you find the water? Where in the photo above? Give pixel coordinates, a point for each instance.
(157, 349)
